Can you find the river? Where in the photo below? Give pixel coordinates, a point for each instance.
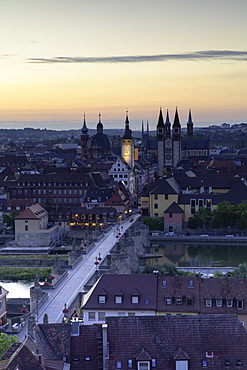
(17, 289)
(197, 255)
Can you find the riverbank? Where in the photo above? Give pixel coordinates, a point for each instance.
(203, 238)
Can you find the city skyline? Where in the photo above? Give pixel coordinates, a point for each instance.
(60, 59)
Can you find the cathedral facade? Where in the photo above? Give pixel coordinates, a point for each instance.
(168, 143)
(169, 147)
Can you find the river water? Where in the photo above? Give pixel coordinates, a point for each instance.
(180, 254)
(197, 255)
(17, 289)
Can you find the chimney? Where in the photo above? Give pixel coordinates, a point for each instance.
(105, 345)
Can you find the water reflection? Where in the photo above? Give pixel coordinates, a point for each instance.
(197, 255)
(17, 289)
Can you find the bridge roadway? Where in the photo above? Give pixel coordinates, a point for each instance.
(76, 278)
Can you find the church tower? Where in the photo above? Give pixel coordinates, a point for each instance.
(176, 139)
(168, 151)
(127, 145)
(160, 129)
(84, 138)
(190, 126)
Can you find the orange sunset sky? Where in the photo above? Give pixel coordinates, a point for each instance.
(60, 59)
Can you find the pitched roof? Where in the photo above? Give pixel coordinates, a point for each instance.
(166, 338)
(174, 208)
(34, 212)
(129, 284)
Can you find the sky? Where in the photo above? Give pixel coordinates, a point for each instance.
(61, 59)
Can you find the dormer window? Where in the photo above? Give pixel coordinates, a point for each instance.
(240, 303)
(178, 301)
(191, 283)
(229, 302)
(182, 365)
(135, 299)
(102, 299)
(118, 299)
(218, 302)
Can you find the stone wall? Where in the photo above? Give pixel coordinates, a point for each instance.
(41, 239)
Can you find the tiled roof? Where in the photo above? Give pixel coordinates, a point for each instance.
(34, 212)
(54, 340)
(169, 338)
(143, 283)
(174, 208)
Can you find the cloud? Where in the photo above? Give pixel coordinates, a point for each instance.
(229, 55)
(34, 42)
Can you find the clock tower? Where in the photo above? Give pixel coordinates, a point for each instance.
(168, 155)
(127, 144)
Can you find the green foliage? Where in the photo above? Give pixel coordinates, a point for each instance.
(6, 341)
(154, 223)
(26, 274)
(10, 219)
(218, 274)
(201, 218)
(241, 215)
(167, 269)
(224, 215)
(240, 271)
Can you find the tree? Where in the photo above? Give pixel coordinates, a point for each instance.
(224, 215)
(9, 220)
(6, 341)
(241, 213)
(240, 271)
(167, 269)
(154, 223)
(201, 218)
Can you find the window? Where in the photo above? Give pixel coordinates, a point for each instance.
(204, 363)
(121, 313)
(240, 303)
(168, 301)
(143, 365)
(182, 365)
(178, 301)
(218, 302)
(166, 196)
(26, 227)
(189, 301)
(91, 315)
(191, 284)
(238, 362)
(101, 316)
(102, 298)
(118, 299)
(135, 299)
(156, 205)
(192, 206)
(208, 302)
(227, 363)
(155, 196)
(164, 283)
(119, 365)
(170, 215)
(229, 303)
(200, 203)
(209, 354)
(131, 314)
(130, 363)
(208, 204)
(154, 362)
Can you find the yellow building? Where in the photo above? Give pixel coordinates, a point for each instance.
(191, 193)
(32, 228)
